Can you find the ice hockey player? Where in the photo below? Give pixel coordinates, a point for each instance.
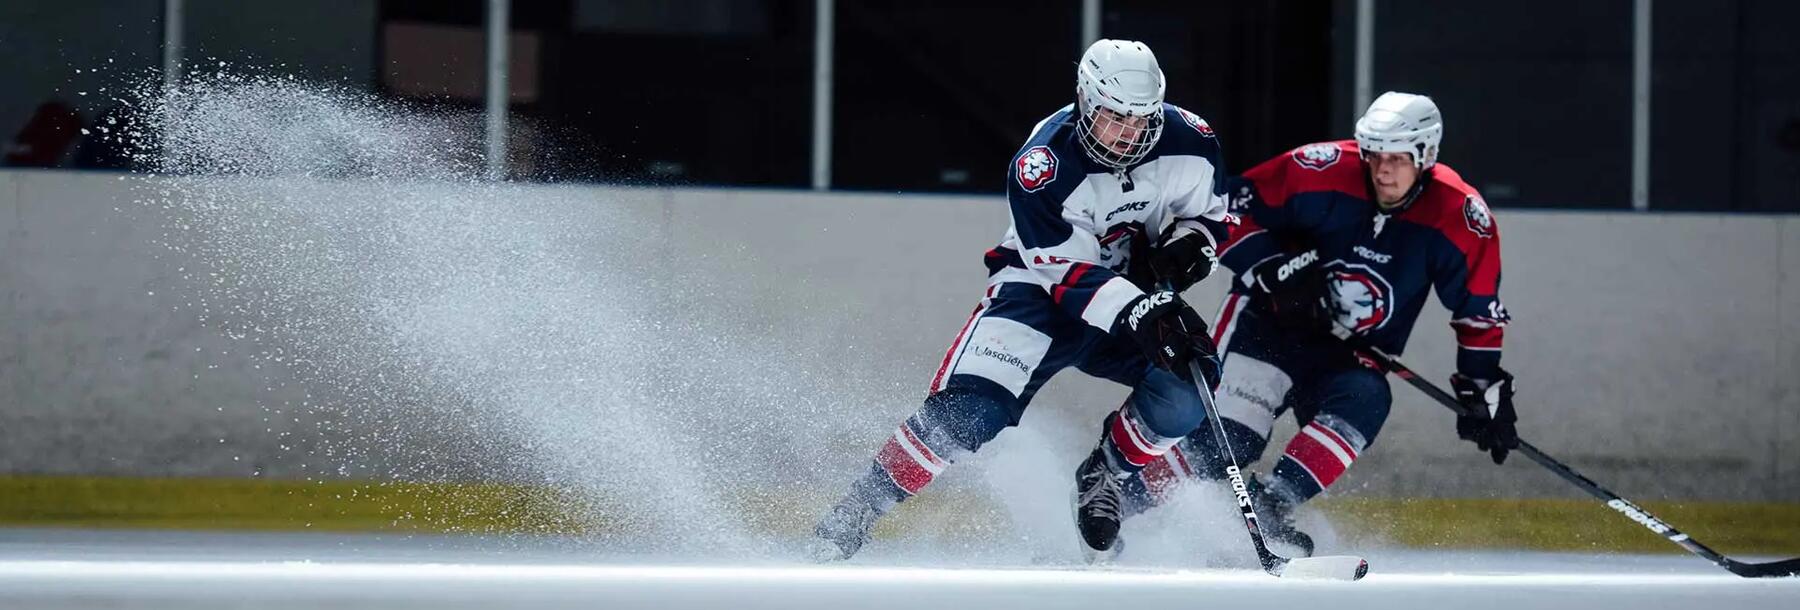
(1352, 233)
(1104, 188)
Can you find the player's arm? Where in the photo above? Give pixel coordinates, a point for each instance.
(1189, 248)
(1259, 198)
(1058, 246)
(1466, 274)
(1269, 212)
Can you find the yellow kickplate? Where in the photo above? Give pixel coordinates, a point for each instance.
(1733, 528)
(176, 503)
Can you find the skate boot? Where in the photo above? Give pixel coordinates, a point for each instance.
(1275, 515)
(1097, 504)
(843, 531)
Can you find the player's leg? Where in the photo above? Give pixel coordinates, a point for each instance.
(1255, 387)
(1011, 345)
(1350, 404)
(1162, 408)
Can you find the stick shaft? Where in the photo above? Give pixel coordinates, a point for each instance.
(1612, 500)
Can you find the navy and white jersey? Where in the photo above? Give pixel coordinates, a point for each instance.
(1080, 229)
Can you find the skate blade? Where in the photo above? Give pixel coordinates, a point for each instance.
(1332, 567)
(1096, 557)
(820, 550)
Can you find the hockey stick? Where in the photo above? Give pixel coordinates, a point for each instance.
(1335, 567)
(1789, 567)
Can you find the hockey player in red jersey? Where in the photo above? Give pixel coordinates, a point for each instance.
(1104, 190)
(1352, 233)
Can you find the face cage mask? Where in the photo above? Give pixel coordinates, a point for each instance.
(1140, 146)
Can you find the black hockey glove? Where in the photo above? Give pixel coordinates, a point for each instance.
(1490, 421)
(1168, 331)
(1294, 290)
(1185, 257)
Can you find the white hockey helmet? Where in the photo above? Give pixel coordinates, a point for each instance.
(1402, 123)
(1121, 76)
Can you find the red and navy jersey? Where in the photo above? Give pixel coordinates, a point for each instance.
(1080, 229)
(1380, 265)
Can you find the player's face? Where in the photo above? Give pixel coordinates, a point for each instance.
(1118, 132)
(1393, 174)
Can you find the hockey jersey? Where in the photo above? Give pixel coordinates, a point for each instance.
(1379, 265)
(1081, 230)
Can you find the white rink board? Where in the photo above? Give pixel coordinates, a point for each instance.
(1654, 352)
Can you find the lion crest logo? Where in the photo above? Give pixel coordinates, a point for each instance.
(1317, 157)
(1035, 168)
(1476, 214)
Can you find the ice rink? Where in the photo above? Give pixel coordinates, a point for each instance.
(112, 569)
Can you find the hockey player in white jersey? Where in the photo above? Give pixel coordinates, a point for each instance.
(1104, 191)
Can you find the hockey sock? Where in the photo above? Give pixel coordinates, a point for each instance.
(1129, 444)
(1317, 456)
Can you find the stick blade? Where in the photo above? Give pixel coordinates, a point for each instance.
(1331, 567)
(1773, 569)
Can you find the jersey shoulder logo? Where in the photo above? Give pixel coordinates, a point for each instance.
(1317, 157)
(1035, 168)
(1199, 124)
(1477, 216)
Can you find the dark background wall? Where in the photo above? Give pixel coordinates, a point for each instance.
(934, 95)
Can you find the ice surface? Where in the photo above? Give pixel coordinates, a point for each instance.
(55, 569)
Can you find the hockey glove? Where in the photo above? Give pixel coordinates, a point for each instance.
(1167, 330)
(1490, 419)
(1293, 288)
(1185, 257)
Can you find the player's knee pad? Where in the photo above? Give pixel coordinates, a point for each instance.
(1199, 455)
(953, 422)
(1161, 409)
(1356, 402)
(1166, 405)
(965, 415)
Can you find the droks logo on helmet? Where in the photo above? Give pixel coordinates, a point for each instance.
(1035, 168)
(1476, 214)
(1317, 157)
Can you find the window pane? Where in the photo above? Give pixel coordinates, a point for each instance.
(1266, 87)
(325, 41)
(1536, 94)
(925, 102)
(682, 92)
(1725, 114)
